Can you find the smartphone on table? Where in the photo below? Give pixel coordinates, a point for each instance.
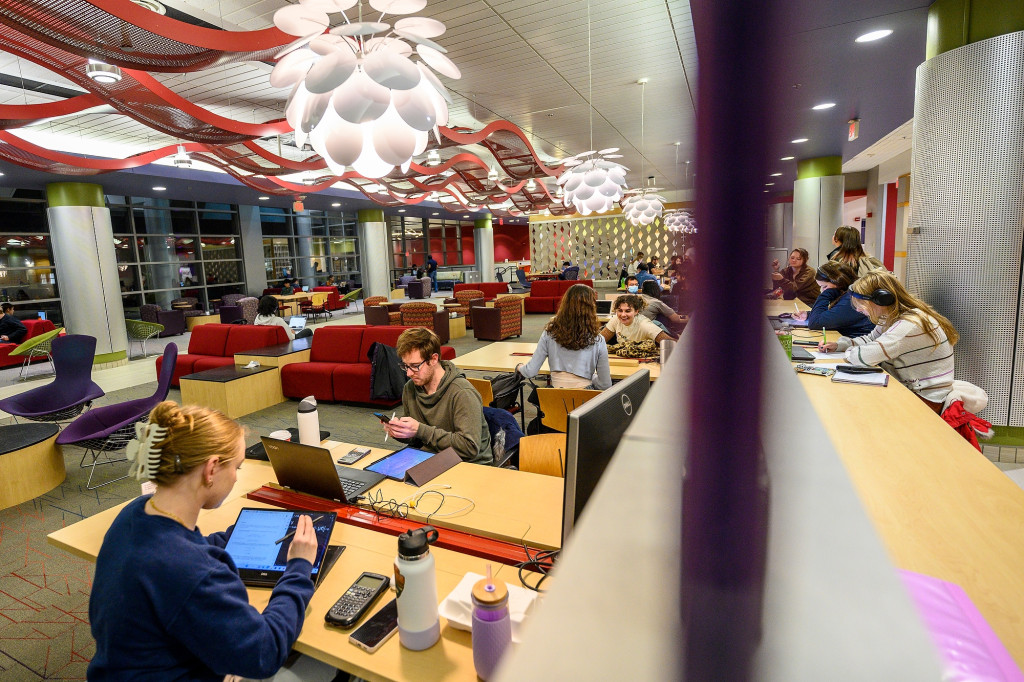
(372, 634)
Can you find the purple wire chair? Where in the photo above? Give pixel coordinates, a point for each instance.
(72, 389)
(109, 428)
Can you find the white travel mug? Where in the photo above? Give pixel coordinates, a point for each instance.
(309, 422)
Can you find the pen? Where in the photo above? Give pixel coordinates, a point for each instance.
(386, 434)
(795, 307)
(824, 339)
(288, 535)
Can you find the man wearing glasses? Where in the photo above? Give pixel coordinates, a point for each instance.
(442, 409)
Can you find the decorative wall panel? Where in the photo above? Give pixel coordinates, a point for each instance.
(600, 246)
(967, 211)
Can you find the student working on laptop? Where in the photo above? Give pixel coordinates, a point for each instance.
(168, 603)
(442, 408)
(266, 314)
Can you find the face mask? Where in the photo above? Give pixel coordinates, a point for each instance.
(633, 289)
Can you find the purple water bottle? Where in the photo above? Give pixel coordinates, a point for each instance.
(492, 625)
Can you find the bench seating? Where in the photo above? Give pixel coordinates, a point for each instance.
(215, 345)
(546, 295)
(35, 328)
(490, 289)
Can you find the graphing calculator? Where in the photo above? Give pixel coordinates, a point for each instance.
(357, 599)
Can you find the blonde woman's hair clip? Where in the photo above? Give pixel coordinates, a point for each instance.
(143, 452)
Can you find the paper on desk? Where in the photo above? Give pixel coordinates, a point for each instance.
(457, 607)
(818, 355)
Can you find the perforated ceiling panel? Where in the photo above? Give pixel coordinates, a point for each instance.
(967, 201)
(601, 247)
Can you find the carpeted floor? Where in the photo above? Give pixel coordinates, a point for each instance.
(44, 592)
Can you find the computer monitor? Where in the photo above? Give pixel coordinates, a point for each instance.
(595, 429)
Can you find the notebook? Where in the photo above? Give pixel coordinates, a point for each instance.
(297, 322)
(872, 379)
(252, 547)
(311, 469)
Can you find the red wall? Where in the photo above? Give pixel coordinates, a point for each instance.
(468, 256)
(511, 242)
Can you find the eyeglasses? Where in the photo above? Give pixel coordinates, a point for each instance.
(415, 366)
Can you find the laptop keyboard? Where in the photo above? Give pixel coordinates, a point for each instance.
(350, 487)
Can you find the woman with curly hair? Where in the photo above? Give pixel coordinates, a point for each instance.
(572, 344)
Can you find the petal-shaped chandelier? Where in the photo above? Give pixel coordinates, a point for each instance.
(643, 206)
(680, 221)
(593, 182)
(356, 95)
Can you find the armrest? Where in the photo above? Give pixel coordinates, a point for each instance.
(441, 326)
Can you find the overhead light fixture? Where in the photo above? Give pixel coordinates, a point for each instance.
(874, 35)
(264, 198)
(335, 204)
(679, 221)
(435, 213)
(531, 185)
(359, 99)
(786, 158)
(433, 158)
(775, 175)
(401, 210)
(465, 216)
(823, 105)
(799, 140)
(182, 159)
(645, 205)
(593, 182)
(159, 188)
(768, 184)
(492, 174)
(101, 72)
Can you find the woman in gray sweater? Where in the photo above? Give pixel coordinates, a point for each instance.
(572, 344)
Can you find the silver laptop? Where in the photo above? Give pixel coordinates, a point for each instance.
(305, 289)
(297, 322)
(311, 469)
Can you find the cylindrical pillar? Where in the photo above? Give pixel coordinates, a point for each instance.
(374, 252)
(817, 205)
(304, 249)
(251, 233)
(483, 248)
(967, 211)
(82, 238)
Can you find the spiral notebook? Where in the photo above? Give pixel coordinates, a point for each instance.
(872, 379)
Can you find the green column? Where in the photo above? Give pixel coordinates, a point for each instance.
(819, 167)
(817, 204)
(955, 23)
(483, 247)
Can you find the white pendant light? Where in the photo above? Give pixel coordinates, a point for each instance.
(680, 221)
(593, 183)
(102, 72)
(359, 99)
(182, 159)
(644, 206)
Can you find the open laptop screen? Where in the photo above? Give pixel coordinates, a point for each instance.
(297, 322)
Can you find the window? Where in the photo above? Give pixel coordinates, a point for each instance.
(28, 277)
(312, 246)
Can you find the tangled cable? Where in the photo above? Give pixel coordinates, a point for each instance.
(541, 562)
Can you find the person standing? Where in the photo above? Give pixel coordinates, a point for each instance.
(11, 328)
(432, 271)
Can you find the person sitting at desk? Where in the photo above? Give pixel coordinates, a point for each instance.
(11, 328)
(833, 308)
(634, 265)
(571, 342)
(565, 266)
(442, 409)
(643, 275)
(654, 267)
(628, 326)
(287, 288)
(849, 250)
(266, 315)
(797, 280)
(167, 603)
(654, 306)
(911, 340)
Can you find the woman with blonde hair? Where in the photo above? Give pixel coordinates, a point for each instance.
(572, 344)
(849, 250)
(911, 340)
(168, 603)
(797, 280)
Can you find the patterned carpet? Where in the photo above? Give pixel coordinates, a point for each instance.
(44, 591)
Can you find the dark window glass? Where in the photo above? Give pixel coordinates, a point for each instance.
(211, 222)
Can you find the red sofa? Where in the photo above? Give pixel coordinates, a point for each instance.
(338, 369)
(490, 289)
(545, 295)
(333, 301)
(35, 328)
(215, 345)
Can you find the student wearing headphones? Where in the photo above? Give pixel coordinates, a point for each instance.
(833, 308)
(911, 340)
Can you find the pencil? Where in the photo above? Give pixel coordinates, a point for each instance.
(795, 307)
(288, 535)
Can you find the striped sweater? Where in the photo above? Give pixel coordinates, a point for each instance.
(908, 353)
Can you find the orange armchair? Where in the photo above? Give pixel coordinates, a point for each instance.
(502, 321)
(467, 298)
(428, 316)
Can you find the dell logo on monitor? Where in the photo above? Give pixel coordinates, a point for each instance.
(627, 405)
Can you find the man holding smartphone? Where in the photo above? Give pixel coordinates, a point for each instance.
(442, 408)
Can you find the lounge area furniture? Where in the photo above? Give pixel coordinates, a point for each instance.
(381, 316)
(30, 462)
(334, 300)
(72, 389)
(339, 369)
(215, 345)
(109, 428)
(34, 328)
(352, 297)
(173, 321)
(234, 390)
(420, 288)
(141, 331)
(36, 348)
(500, 322)
(428, 316)
(188, 305)
(489, 289)
(468, 298)
(546, 295)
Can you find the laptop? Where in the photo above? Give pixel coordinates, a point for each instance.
(305, 289)
(297, 323)
(42, 314)
(604, 307)
(311, 469)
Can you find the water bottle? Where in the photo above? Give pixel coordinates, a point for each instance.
(786, 339)
(492, 625)
(309, 422)
(416, 586)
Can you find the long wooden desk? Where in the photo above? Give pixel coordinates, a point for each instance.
(497, 357)
(940, 507)
(779, 306)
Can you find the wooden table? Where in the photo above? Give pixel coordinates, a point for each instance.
(940, 507)
(278, 355)
(293, 300)
(457, 326)
(31, 463)
(498, 357)
(233, 390)
(780, 306)
(542, 275)
(196, 320)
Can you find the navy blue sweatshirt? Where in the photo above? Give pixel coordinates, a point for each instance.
(168, 604)
(842, 316)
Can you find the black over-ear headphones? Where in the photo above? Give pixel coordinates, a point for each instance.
(882, 297)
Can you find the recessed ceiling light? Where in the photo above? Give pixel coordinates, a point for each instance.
(158, 188)
(335, 204)
(465, 216)
(775, 175)
(824, 105)
(401, 210)
(874, 35)
(1, 174)
(768, 184)
(799, 140)
(786, 158)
